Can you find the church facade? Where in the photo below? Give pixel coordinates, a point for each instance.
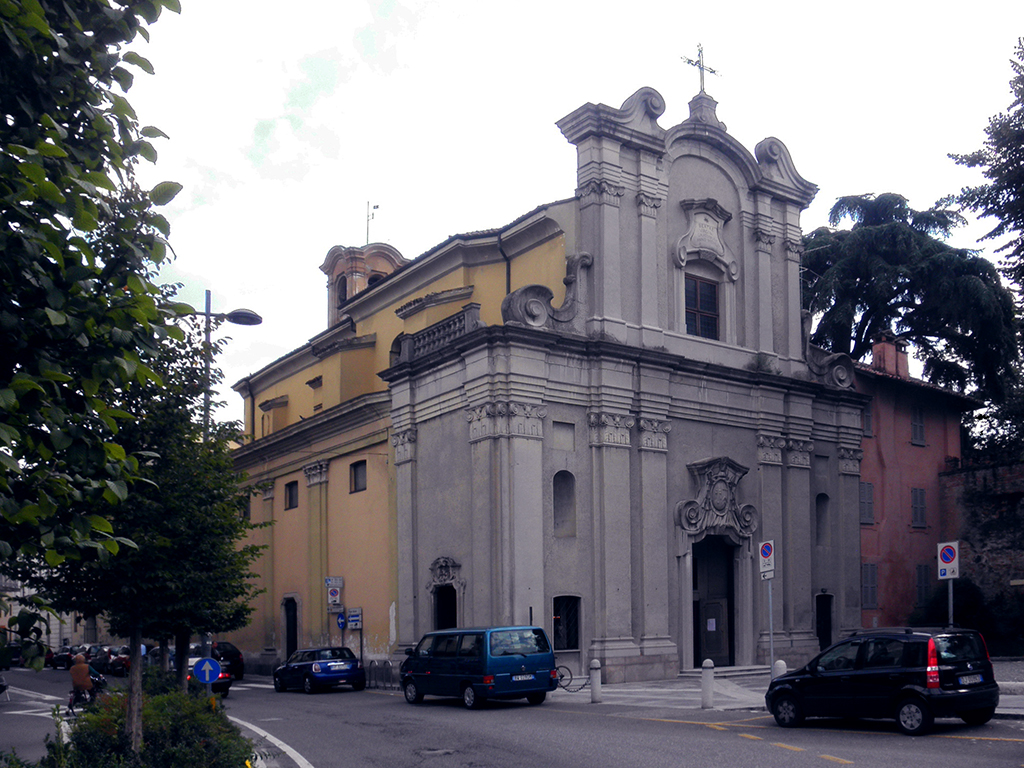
(589, 419)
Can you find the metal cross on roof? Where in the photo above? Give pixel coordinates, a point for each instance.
(699, 64)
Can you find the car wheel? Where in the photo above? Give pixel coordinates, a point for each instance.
(787, 711)
(913, 717)
(359, 686)
(471, 699)
(240, 675)
(537, 697)
(278, 685)
(978, 716)
(412, 693)
(308, 685)
(225, 694)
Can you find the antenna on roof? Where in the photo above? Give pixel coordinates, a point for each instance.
(369, 218)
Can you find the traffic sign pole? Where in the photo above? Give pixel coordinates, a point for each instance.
(949, 569)
(766, 555)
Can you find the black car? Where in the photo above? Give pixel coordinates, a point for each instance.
(314, 668)
(910, 675)
(230, 658)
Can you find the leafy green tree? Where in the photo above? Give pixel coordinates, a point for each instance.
(1001, 160)
(74, 317)
(189, 571)
(891, 272)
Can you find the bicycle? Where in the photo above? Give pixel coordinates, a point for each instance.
(564, 676)
(77, 696)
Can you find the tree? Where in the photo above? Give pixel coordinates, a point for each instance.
(1001, 160)
(890, 272)
(189, 571)
(75, 318)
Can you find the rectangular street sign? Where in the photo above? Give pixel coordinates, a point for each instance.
(334, 581)
(949, 560)
(766, 555)
(767, 575)
(355, 618)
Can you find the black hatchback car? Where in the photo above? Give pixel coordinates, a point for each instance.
(910, 675)
(230, 658)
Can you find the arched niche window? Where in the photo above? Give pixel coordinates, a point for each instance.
(375, 278)
(821, 519)
(341, 289)
(564, 488)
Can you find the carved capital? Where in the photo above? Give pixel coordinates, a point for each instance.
(502, 418)
(316, 473)
(654, 434)
(648, 205)
(600, 191)
(794, 248)
(849, 461)
(405, 445)
(268, 493)
(798, 453)
(769, 449)
(610, 429)
(764, 239)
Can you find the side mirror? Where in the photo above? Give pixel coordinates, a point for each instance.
(409, 651)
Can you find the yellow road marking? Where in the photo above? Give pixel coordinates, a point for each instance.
(715, 727)
(788, 746)
(749, 736)
(836, 759)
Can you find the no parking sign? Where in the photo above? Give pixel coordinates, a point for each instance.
(949, 560)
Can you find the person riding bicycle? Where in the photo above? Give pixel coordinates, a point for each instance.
(81, 679)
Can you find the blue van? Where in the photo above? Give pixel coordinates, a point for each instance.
(482, 663)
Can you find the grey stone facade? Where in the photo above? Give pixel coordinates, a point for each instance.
(597, 455)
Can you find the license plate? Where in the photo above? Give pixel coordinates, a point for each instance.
(970, 679)
(342, 665)
(520, 678)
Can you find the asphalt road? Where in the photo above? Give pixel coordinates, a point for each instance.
(378, 729)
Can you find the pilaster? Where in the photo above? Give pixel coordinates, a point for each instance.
(316, 500)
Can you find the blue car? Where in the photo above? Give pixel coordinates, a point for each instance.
(312, 669)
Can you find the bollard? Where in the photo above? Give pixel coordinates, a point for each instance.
(707, 685)
(778, 669)
(595, 681)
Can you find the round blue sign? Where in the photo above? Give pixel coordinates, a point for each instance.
(206, 670)
(948, 555)
(766, 550)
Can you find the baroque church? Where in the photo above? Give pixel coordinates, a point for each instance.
(588, 419)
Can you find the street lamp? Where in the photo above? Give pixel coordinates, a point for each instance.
(236, 316)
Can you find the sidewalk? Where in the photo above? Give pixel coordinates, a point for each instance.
(732, 692)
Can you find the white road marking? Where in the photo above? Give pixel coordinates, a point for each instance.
(299, 759)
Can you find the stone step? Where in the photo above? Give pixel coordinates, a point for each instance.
(731, 673)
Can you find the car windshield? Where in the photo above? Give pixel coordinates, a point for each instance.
(959, 648)
(509, 642)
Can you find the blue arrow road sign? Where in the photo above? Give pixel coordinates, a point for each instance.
(206, 670)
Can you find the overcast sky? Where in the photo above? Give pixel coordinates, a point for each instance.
(285, 120)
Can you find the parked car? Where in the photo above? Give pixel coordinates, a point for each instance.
(98, 657)
(221, 685)
(230, 658)
(480, 664)
(64, 656)
(911, 675)
(313, 669)
(10, 655)
(121, 661)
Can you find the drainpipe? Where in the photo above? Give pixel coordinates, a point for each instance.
(508, 267)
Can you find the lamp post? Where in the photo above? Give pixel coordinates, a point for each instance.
(236, 316)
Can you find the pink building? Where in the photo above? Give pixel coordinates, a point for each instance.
(911, 435)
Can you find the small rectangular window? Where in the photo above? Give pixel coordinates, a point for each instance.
(868, 585)
(867, 503)
(291, 494)
(917, 508)
(917, 425)
(866, 422)
(357, 476)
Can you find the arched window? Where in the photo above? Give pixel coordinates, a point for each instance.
(564, 488)
(342, 289)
